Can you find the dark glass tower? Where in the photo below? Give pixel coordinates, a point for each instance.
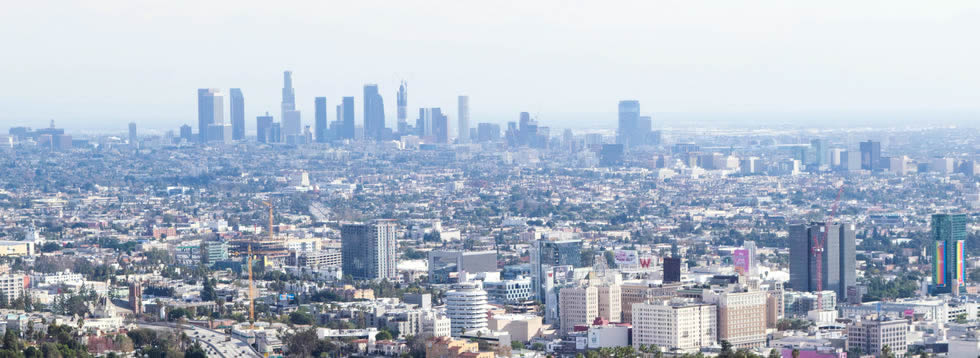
(948, 252)
(837, 269)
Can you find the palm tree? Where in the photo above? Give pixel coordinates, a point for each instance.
(796, 353)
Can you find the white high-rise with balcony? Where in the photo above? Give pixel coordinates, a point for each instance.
(466, 306)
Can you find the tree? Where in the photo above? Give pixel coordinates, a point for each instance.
(383, 335)
(796, 353)
(302, 343)
(208, 293)
(516, 345)
(538, 346)
(886, 352)
(726, 350)
(774, 353)
(195, 351)
(301, 318)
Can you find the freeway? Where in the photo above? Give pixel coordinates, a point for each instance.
(215, 343)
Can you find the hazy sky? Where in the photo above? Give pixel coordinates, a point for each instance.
(103, 63)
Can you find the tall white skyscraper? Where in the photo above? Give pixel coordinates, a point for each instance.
(210, 111)
(402, 108)
(463, 121)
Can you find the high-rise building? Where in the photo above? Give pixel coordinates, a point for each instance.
(821, 154)
(403, 108)
(948, 252)
(675, 325)
(672, 269)
(288, 94)
(237, 114)
(545, 253)
(463, 119)
(838, 271)
(132, 135)
(347, 107)
(871, 155)
(872, 334)
(487, 132)
(291, 120)
(186, 133)
(432, 125)
(374, 113)
(369, 250)
(466, 306)
(263, 128)
(320, 104)
(577, 306)
(629, 118)
(210, 110)
(633, 293)
(741, 317)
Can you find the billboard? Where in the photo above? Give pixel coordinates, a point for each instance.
(740, 258)
(939, 268)
(625, 257)
(960, 260)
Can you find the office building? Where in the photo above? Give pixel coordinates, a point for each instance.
(633, 293)
(402, 108)
(675, 325)
(466, 306)
(369, 250)
(672, 269)
(374, 113)
(487, 132)
(821, 154)
(741, 316)
(577, 306)
(948, 252)
(546, 254)
(237, 113)
(347, 108)
(444, 263)
(871, 334)
(290, 121)
(320, 115)
(210, 110)
(870, 155)
(628, 132)
(837, 265)
(463, 119)
(509, 291)
(187, 133)
(263, 128)
(132, 135)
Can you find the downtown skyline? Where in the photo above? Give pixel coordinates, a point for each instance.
(737, 63)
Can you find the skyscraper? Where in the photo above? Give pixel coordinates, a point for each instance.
(263, 128)
(132, 135)
(821, 155)
(374, 113)
(546, 254)
(948, 259)
(288, 94)
(871, 155)
(466, 306)
(403, 108)
(838, 270)
(463, 119)
(347, 105)
(210, 110)
(629, 120)
(237, 114)
(292, 124)
(369, 250)
(321, 119)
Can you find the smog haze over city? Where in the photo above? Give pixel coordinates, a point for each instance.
(490, 179)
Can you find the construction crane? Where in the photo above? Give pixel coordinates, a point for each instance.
(817, 249)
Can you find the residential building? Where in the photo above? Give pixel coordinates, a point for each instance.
(870, 335)
(369, 250)
(675, 324)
